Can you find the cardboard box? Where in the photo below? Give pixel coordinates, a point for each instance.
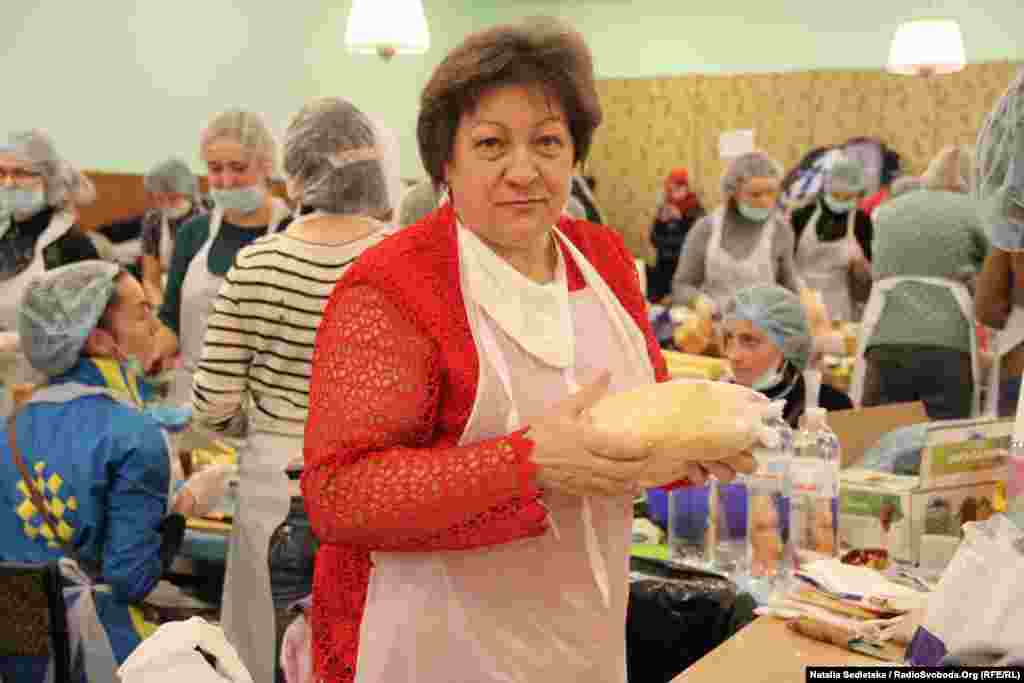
(915, 513)
(860, 429)
(965, 452)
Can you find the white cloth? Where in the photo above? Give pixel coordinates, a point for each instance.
(170, 656)
(873, 312)
(247, 612)
(198, 292)
(538, 318)
(540, 609)
(1004, 341)
(725, 275)
(17, 369)
(166, 250)
(825, 266)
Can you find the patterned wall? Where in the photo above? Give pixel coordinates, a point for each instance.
(652, 125)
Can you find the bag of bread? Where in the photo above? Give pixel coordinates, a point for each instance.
(685, 421)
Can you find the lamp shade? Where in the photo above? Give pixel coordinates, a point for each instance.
(387, 27)
(926, 47)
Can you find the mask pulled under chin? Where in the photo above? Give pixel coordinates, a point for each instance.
(768, 380)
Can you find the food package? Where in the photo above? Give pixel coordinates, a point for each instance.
(685, 421)
(694, 336)
(817, 315)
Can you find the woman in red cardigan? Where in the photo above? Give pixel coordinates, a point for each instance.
(474, 527)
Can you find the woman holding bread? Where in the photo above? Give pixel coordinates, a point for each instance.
(474, 525)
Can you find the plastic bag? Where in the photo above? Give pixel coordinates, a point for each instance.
(676, 616)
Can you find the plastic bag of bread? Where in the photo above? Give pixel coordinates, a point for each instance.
(685, 421)
(817, 314)
(694, 336)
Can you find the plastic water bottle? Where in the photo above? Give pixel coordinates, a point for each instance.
(768, 557)
(814, 480)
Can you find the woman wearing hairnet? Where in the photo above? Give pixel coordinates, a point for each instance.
(833, 241)
(258, 350)
(768, 343)
(679, 210)
(240, 152)
(1000, 292)
(917, 337)
(174, 191)
(744, 243)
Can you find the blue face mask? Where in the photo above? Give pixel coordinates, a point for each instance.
(836, 206)
(243, 199)
(753, 213)
(21, 201)
(768, 380)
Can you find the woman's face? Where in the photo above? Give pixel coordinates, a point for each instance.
(511, 166)
(751, 352)
(16, 172)
(229, 165)
(680, 191)
(760, 192)
(167, 200)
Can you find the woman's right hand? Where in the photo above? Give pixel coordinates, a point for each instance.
(566, 447)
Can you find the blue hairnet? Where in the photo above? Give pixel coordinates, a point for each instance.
(172, 176)
(845, 175)
(779, 313)
(747, 166)
(60, 308)
(999, 182)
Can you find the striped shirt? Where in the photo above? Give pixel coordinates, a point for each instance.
(258, 350)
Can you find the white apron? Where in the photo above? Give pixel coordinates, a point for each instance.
(873, 311)
(198, 292)
(725, 275)
(14, 367)
(825, 266)
(544, 609)
(1003, 341)
(166, 249)
(247, 611)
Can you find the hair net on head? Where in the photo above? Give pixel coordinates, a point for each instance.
(1000, 169)
(747, 166)
(846, 175)
(334, 159)
(80, 190)
(244, 127)
(952, 169)
(779, 313)
(60, 308)
(36, 148)
(172, 176)
(904, 184)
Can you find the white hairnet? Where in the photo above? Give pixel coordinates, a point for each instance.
(334, 159)
(36, 148)
(952, 169)
(172, 176)
(747, 166)
(846, 175)
(244, 127)
(1000, 169)
(60, 308)
(780, 314)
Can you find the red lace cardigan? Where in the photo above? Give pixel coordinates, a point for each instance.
(393, 382)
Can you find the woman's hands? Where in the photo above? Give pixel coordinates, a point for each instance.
(574, 457)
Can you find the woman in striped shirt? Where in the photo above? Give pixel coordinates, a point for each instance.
(256, 361)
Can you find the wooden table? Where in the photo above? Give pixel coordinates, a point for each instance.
(768, 651)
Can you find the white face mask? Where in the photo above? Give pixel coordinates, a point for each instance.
(179, 211)
(768, 380)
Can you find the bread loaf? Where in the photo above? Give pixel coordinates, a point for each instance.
(684, 421)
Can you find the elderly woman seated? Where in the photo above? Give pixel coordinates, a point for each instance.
(768, 342)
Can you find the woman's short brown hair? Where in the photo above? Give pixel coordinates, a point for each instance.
(539, 51)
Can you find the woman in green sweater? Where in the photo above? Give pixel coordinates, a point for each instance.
(917, 337)
(240, 152)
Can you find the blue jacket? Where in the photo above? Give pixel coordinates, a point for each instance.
(106, 471)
